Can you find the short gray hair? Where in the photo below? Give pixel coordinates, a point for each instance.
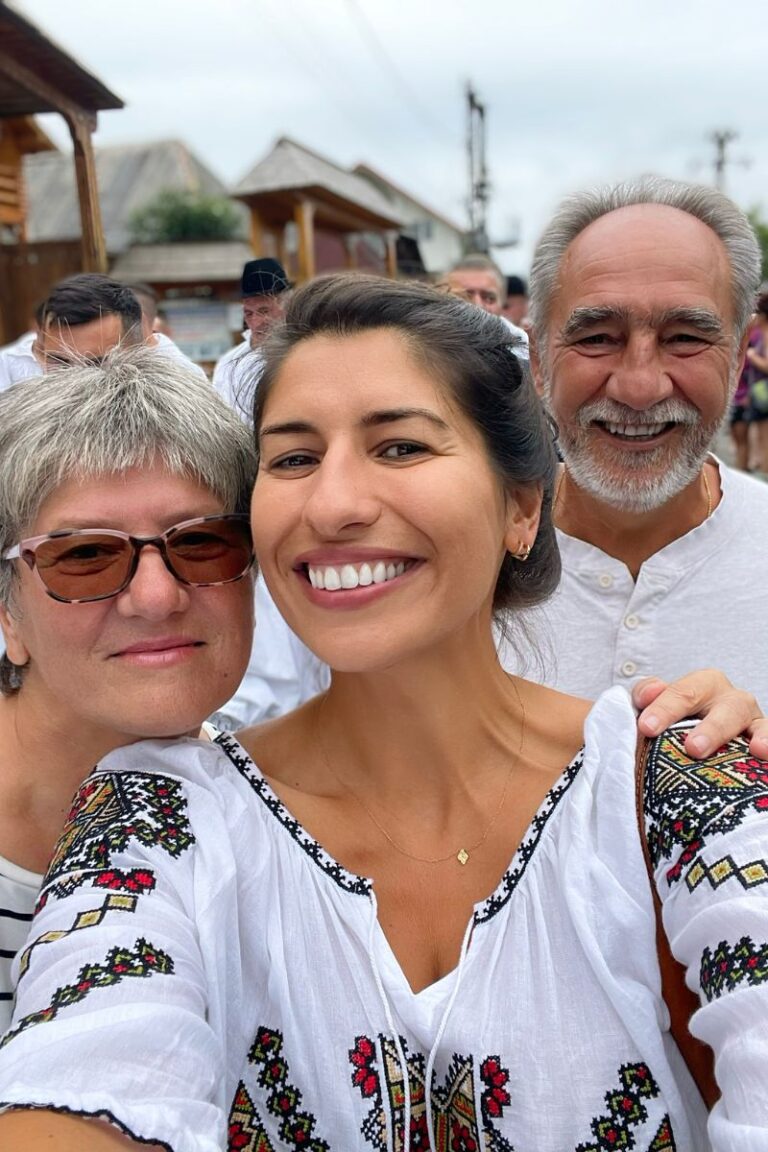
(479, 262)
(708, 205)
(137, 408)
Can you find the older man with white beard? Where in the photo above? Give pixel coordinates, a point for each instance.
(641, 300)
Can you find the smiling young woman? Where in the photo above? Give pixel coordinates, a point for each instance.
(390, 919)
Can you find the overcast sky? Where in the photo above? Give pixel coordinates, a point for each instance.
(577, 92)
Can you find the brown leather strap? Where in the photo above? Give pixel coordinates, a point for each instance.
(680, 1001)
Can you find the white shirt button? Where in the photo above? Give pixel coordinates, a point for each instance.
(605, 580)
(628, 668)
(631, 621)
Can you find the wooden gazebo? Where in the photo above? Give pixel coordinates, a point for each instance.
(37, 76)
(293, 186)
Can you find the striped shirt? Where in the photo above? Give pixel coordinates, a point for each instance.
(18, 893)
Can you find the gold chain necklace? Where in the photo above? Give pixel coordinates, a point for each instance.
(463, 855)
(707, 489)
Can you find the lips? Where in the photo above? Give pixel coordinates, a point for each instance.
(161, 644)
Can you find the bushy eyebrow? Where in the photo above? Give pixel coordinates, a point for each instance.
(370, 420)
(702, 319)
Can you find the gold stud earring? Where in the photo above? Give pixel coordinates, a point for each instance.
(522, 552)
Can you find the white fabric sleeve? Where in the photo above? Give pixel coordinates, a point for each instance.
(707, 827)
(120, 997)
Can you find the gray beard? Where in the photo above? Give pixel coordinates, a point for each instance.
(629, 480)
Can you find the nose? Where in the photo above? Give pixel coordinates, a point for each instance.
(154, 593)
(640, 379)
(343, 496)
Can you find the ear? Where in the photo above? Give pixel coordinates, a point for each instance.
(523, 514)
(14, 645)
(535, 358)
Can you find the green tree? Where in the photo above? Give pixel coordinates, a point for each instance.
(761, 231)
(174, 216)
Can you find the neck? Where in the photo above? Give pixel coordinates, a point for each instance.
(422, 730)
(45, 757)
(633, 537)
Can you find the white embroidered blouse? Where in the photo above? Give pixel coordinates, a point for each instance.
(205, 975)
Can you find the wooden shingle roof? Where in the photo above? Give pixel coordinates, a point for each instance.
(290, 167)
(128, 177)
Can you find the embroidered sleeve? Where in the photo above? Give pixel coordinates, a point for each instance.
(112, 997)
(707, 828)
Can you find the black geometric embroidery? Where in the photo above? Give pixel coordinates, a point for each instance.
(748, 875)
(110, 810)
(246, 1131)
(455, 1115)
(283, 1099)
(626, 1111)
(136, 881)
(115, 902)
(359, 884)
(527, 847)
(142, 960)
(248, 770)
(732, 965)
(663, 1141)
(686, 799)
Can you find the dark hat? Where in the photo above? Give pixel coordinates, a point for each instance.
(516, 286)
(264, 277)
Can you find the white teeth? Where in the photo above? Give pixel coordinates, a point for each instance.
(349, 577)
(330, 579)
(634, 429)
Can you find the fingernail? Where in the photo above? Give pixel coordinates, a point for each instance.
(699, 745)
(652, 721)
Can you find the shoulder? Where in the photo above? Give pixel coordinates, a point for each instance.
(686, 801)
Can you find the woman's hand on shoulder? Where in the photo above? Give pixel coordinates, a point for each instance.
(725, 711)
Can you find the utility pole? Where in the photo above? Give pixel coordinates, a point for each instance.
(721, 140)
(479, 188)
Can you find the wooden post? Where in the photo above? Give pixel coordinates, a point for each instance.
(350, 246)
(391, 239)
(81, 125)
(258, 237)
(304, 215)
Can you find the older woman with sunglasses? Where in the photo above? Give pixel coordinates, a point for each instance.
(413, 914)
(125, 596)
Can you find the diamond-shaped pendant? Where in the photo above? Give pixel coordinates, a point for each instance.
(462, 855)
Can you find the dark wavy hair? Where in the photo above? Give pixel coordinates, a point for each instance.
(475, 355)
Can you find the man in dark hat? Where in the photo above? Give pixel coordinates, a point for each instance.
(516, 307)
(264, 285)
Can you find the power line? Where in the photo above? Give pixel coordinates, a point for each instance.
(408, 94)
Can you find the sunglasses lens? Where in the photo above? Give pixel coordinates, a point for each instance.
(83, 565)
(211, 551)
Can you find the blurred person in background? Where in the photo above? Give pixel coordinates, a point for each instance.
(264, 287)
(125, 592)
(757, 359)
(82, 317)
(516, 307)
(151, 326)
(479, 280)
